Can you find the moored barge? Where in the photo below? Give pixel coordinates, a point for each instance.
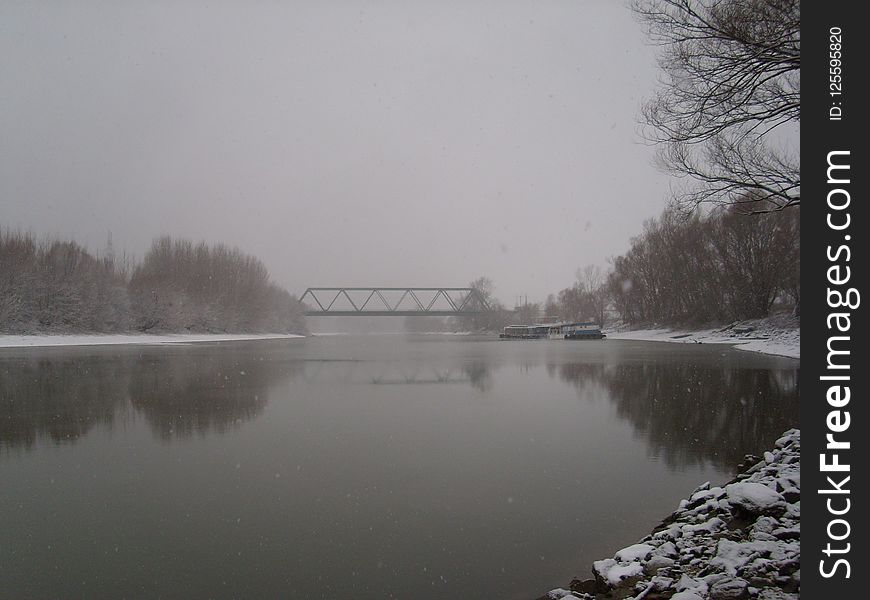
(554, 331)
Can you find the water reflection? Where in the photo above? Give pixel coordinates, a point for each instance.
(476, 373)
(359, 467)
(479, 375)
(205, 392)
(62, 397)
(689, 408)
(691, 412)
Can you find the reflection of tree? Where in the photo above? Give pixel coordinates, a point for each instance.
(477, 373)
(480, 375)
(204, 392)
(179, 391)
(61, 398)
(690, 412)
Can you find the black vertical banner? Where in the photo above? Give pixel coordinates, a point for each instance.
(834, 222)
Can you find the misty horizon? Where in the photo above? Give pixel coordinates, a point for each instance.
(347, 144)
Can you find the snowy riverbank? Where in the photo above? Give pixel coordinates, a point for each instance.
(738, 542)
(25, 341)
(777, 335)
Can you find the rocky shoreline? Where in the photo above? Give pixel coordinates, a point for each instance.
(740, 541)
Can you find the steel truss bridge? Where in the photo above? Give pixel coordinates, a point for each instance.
(392, 302)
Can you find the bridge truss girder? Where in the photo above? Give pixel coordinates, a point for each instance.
(460, 301)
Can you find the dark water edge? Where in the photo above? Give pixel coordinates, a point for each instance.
(405, 466)
(761, 531)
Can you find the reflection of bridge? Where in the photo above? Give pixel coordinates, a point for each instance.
(379, 373)
(393, 302)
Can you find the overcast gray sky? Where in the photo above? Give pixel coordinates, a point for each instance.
(343, 143)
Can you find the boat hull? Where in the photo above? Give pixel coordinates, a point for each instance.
(553, 331)
(586, 336)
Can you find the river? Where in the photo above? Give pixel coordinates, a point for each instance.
(383, 466)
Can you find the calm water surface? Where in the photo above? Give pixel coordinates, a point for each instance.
(360, 466)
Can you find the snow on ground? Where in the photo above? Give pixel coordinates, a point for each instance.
(24, 341)
(447, 332)
(404, 333)
(777, 335)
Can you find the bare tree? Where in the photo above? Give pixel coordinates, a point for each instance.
(587, 299)
(527, 313)
(58, 286)
(572, 303)
(757, 258)
(184, 286)
(705, 269)
(492, 315)
(594, 281)
(731, 80)
(552, 311)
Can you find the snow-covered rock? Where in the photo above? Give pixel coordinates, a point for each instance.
(755, 498)
(634, 552)
(736, 542)
(658, 562)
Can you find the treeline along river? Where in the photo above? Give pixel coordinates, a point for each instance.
(360, 466)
